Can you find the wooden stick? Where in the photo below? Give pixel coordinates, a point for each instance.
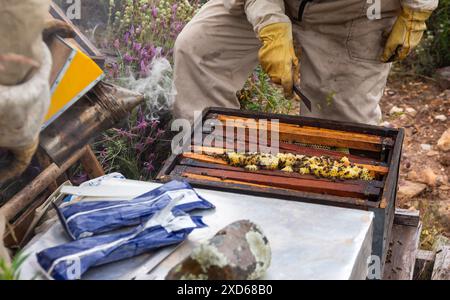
(44, 162)
(219, 151)
(307, 185)
(26, 196)
(90, 164)
(21, 225)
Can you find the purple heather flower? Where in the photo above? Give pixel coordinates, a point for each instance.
(142, 125)
(128, 58)
(143, 69)
(124, 133)
(178, 27)
(174, 10)
(152, 51)
(154, 12)
(103, 153)
(126, 37)
(137, 46)
(139, 147)
(155, 124)
(149, 141)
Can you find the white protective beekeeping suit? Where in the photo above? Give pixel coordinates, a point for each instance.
(344, 61)
(25, 65)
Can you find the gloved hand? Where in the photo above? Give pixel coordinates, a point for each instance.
(406, 34)
(277, 56)
(22, 143)
(22, 111)
(21, 159)
(25, 65)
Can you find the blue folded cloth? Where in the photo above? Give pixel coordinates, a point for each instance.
(70, 261)
(85, 219)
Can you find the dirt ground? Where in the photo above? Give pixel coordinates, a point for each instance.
(423, 109)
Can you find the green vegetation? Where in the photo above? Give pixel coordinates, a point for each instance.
(434, 51)
(11, 271)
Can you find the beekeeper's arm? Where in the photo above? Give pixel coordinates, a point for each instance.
(274, 29)
(25, 65)
(408, 29)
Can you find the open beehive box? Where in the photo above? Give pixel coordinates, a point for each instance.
(373, 151)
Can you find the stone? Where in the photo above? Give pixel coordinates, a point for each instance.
(445, 160)
(428, 176)
(391, 92)
(426, 147)
(387, 124)
(432, 153)
(442, 118)
(396, 110)
(412, 175)
(442, 180)
(443, 77)
(410, 189)
(444, 142)
(411, 111)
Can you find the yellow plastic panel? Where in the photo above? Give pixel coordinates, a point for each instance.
(80, 76)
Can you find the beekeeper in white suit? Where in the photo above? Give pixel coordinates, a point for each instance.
(25, 65)
(341, 50)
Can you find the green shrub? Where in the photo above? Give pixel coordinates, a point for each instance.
(259, 94)
(434, 51)
(11, 271)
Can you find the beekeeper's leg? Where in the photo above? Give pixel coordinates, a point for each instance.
(214, 55)
(341, 66)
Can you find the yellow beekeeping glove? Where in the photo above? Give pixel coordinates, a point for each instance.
(277, 56)
(406, 34)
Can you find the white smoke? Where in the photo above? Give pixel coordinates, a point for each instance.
(156, 87)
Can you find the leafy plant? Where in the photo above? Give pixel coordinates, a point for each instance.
(12, 271)
(143, 29)
(434, 50)
(259, 94)
(140, 33)
(131, 150)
